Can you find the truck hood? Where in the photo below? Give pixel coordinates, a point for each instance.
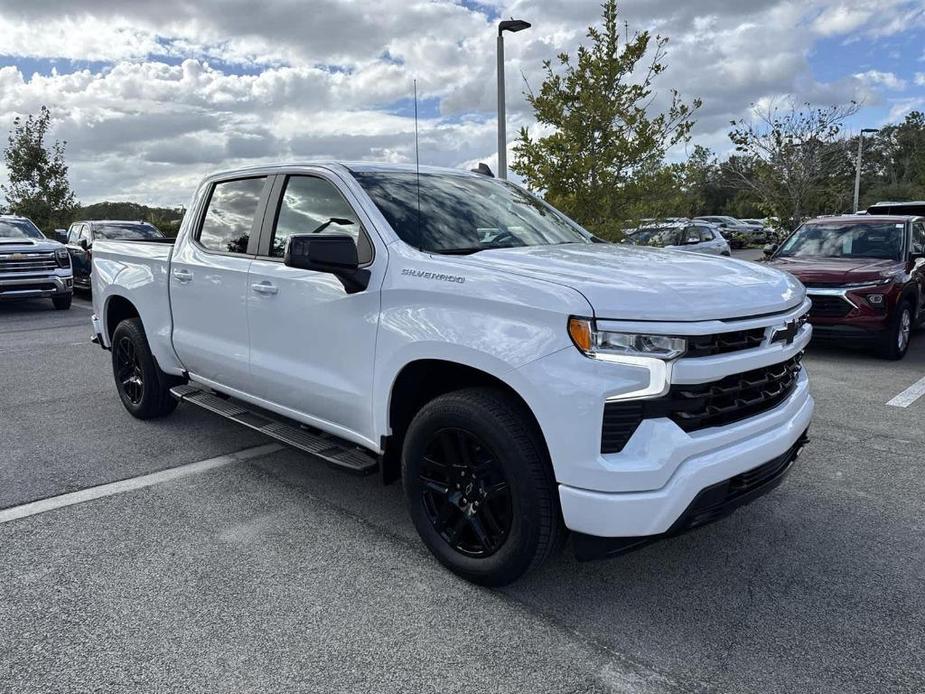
(27, 245)
(836, 271)
(639, 283)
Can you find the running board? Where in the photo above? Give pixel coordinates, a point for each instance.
(335, 451)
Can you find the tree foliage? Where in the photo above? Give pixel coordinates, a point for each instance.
(38, 185)
(791, 155)
(602, 140)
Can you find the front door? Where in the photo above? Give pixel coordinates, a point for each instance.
(79, 246)
(208, 284)
(312, 343)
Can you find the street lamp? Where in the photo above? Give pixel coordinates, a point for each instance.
(512, 25)
(857, 174)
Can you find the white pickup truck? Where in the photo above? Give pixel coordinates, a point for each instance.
(521, 378)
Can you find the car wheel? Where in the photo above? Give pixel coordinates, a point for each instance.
(62, 302)
(896, 341)
(479, 486)
(143, 388)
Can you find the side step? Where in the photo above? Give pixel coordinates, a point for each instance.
(335, 451)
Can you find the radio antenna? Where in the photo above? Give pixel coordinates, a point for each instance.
(417, 162)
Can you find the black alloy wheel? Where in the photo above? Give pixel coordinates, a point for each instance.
(465, 494)
(130, 374)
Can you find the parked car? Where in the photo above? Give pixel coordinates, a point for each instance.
(31, 265)
(82, 235)
(696, 238)
(732, 227)
(453, 331)
(865, 276)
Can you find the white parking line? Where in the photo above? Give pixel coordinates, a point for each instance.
(909, 395)
(133, 483)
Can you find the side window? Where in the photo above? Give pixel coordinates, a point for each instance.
(84, 234)
(312, 205)
(918, 237)
(706, 233)
(691, 235)
(230, 215)
(73, 233)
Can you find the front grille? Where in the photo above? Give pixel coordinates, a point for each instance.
(825, 306)
(722, 343)
(704, 405)
(27, 262)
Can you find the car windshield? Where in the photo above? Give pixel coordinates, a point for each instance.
(654, 236)
(465, 214)
(133, 232)
(19, 229)
(846, 240)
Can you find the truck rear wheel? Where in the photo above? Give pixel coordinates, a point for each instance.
(479, 486)
(143, 388)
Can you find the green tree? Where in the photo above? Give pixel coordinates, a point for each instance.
(38, 186)
(603, 132)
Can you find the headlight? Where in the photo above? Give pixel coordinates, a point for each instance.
(604, 344)
(62, 257)
(868, 283)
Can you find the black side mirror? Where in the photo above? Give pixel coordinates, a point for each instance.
(335, 254)
(84, 244)
(769, 249)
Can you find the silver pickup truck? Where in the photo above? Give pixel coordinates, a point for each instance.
(32, 266)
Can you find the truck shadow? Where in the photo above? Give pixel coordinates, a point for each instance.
(805, 570)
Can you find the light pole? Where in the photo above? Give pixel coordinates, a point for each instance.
(857, 174)
(511, 25)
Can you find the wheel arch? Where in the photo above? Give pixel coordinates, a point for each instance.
(420, 381)
(117, 309)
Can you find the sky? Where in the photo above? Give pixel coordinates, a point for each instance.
(152, 96)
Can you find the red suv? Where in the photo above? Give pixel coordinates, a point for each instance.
(864, 274)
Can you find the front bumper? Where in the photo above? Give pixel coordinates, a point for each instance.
(14, 288)
(644, 487)
(726, 452)
(715, 502)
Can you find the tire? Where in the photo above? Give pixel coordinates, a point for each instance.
(480, 442)
(62, 302)
(896, 340)
(143, 388)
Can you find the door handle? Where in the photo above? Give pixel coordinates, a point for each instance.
(183, 276)
(265, 288)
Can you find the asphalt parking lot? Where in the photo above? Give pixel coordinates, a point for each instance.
(276, 573)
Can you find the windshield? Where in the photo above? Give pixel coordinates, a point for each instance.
(655, 237)
(465, 214)
(19, 229)
(846, 240)
(127, 231)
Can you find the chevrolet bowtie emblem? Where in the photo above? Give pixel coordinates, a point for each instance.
(786, 333)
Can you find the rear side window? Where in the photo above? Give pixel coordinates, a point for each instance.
(230, 215)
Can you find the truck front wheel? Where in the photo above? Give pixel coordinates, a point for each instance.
(143, 388)
(479, 487)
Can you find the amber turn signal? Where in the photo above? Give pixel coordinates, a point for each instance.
(579, 329)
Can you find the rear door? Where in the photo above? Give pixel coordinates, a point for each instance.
(208, 283)
(313, 344)
(711, 241)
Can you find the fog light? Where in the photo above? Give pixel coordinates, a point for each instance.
(875, 299)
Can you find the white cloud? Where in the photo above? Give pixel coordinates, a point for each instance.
(885, 79)
(191, 87)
